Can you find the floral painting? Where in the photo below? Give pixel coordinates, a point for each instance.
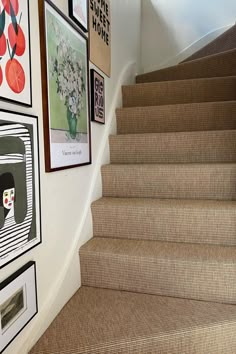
(66, 111)
(78, 11)
(15, 71)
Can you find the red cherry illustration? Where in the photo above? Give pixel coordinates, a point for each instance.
(15, 75)
(14, 4)
(16, 39)
(1, 76)
(3, 45)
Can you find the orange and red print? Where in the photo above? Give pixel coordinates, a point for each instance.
(15, 71)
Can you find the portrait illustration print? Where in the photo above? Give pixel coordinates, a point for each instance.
(19, 185)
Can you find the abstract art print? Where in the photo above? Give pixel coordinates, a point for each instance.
(18, 303)
(15, 66)
(97, 97)
(20, 225)
(65, 90)
(78, 11)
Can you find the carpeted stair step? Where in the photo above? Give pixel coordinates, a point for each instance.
(221, 64)
(175, 118)
(184, 181)
(176, 220)
(99, 321)
(226, 41)
(193, 271)
(183, 91)
(182, 147)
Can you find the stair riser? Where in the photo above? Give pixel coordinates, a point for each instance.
(170, 181)
(173, 148)
(217, 66)
(174, 92)
(193, 280)
(177, 118)
(163, 222)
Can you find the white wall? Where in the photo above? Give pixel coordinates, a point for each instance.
(67, 195)
(170, 27)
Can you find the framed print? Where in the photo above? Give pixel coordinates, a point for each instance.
(15, 66)
(100, 35)
(97, 97)
(78, 12)
(18, 303)
(64, 58)
(20, 225)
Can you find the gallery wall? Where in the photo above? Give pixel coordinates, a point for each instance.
(66, 195)
(174, 29)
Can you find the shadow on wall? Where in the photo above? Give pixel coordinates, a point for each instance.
(158, 40)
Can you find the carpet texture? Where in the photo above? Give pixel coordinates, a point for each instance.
(177, 118)
(225, 42)
(222, 64)
(159, 275)
(107, 321)
(183, 91)
(176, 220)
(187, 147)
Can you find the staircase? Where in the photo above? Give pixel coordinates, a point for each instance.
(159, 275)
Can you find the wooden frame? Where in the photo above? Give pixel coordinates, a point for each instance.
(65, 90)
(18, 303)
(97, 97)
(78, 12)
(15, 53)
(20, 217)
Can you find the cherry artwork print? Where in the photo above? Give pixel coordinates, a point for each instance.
(16, 39)
(15, 78)
(15, 75)
(11, 5)
(1, 76)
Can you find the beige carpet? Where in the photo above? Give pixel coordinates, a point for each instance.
(159, 275)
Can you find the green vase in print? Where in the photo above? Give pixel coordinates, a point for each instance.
(72, 123)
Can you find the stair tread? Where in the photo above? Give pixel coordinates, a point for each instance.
(184, 270)
(107, 321)
(177, 117)
(185, 180)
(196, 253)
(183, 106)
(174, 147)
(224, 42)
(173, 220)
(220, 64)
(170, 203)
(180, 91)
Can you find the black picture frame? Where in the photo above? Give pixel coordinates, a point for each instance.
(97, 89)
(75, 153)
(20, 291)
(20, 229)
(83, 24)
(11, 60)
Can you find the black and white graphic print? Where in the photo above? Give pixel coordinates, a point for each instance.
(14, 235)
(19, 186)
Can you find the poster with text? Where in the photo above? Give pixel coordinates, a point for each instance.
(100, 35)
(97, 97)
(15, 67)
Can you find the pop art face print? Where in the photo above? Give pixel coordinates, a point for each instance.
(15, 71)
